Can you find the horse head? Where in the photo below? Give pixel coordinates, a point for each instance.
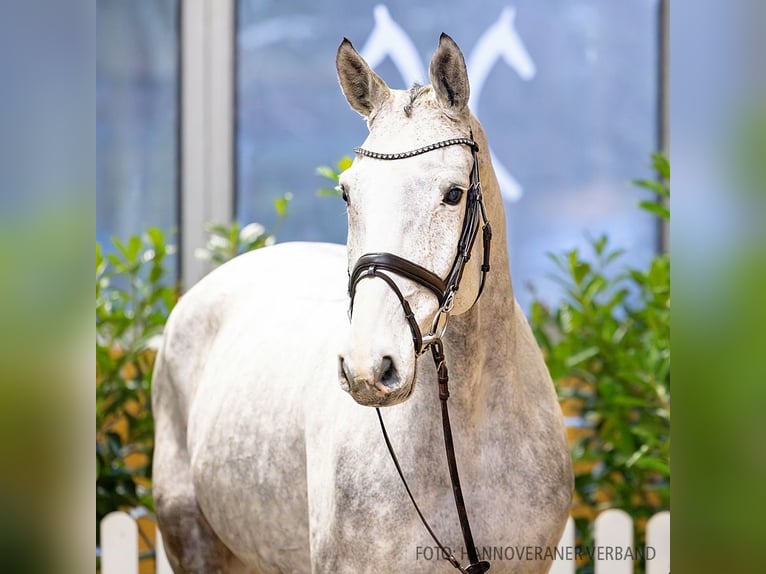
(413, 210)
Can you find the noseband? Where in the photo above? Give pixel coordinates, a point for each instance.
(381, 265)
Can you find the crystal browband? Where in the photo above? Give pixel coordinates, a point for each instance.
(403, 155)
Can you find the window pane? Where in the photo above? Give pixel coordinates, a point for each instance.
(568, 101)
(137, 117)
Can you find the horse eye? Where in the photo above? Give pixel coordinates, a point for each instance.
(452, 197)
(342, 190)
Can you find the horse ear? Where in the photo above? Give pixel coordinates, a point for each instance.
(449, 77)
(363, 88)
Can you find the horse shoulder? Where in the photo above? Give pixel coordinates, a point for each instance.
(267, 282)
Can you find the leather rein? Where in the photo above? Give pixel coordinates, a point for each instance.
(381, 265)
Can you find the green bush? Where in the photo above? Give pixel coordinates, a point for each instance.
(134, 297)
(607, 346)
(226, 241)
(133, 300)
(333, 174)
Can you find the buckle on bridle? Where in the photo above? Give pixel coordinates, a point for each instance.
(449, 302)
(438, 328)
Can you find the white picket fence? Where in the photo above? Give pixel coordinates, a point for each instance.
(613, 542)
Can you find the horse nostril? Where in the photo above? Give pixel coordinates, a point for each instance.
(389, 375)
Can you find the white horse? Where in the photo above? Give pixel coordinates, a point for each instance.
(264, 464)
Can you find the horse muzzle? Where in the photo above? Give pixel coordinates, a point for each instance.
(374, 382)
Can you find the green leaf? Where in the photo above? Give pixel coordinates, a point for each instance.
(327, 172)
(559, 261)
(156, 274)
(656, 208)
(101, 264)
(594, 287)
(329, 192)
(119, 266)
(659, 274)
(582, 356)
(580, 271)
(616, 254)
(155, 237)
(218, 229)
(661, 165)
(565, 316)
(539, 314)
(599, 244)
(632, 402)
(281, 204)
(655, 186)
(654, 464)
(134, 246)
(233, 237)
(617, 298)
(344, 163)
(121, 247)
(572, 258)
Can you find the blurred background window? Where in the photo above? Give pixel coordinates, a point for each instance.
(566, 90)
(136, 117)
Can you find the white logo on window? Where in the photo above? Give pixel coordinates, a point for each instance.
(499, 41)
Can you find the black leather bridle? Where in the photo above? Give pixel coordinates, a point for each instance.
(380, 266)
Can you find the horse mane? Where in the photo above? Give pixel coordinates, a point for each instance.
(414, 92)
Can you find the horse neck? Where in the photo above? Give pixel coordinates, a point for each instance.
(479, 342)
